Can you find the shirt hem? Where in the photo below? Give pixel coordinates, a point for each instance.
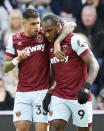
(30, 90)
(69, 98)
(84, 53)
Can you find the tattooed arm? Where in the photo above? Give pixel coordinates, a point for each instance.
(68, 27)
(10, 62)
(8, 65)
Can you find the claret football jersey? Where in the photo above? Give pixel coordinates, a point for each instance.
(34, 70)
(70, 73)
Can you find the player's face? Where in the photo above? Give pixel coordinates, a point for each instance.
(51, 31)
(32, 26)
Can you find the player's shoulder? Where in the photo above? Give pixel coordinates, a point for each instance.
(68, 38)
(17, 36)
(79, 40)
(76, 37)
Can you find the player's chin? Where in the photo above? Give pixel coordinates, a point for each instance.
(34, 34)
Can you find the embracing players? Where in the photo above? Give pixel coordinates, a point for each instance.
(29, 51)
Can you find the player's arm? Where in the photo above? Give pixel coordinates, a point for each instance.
(52, 81)
(9, 55)
(8, 65)
(84, 93)
(80, 46)
(68, 27)
(10, 62)
(47, 98)
(91, 61)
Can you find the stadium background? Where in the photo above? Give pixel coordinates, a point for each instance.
(69, 10)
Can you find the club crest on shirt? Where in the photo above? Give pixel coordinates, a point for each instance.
(50, 113)
(39, 38)
(64, 48)
(18, 114)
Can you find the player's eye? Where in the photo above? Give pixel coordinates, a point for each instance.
(33, 23)
(37, 23)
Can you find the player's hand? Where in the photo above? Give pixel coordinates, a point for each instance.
(57, 51)
(23, 55)
(46, 102)
(83, 95)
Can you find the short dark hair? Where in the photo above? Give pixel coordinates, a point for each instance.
(53, 18)
(30, 13)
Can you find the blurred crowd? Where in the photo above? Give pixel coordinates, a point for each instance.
(89, 16)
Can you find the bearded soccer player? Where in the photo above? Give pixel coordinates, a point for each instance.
(72, 93)
(28, 50)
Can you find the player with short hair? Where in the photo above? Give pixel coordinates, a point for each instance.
(29, 51)
(71, 95)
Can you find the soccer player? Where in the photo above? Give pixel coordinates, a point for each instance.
(29, 51)
(71, 95)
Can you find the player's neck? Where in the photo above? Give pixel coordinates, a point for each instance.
(26, 34)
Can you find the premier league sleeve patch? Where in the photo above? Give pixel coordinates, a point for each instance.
(81, 43)
(18, 114)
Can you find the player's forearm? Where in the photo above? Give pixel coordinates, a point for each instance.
(66, 30)
(8, 66)
(93, 71)
(50, 90)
